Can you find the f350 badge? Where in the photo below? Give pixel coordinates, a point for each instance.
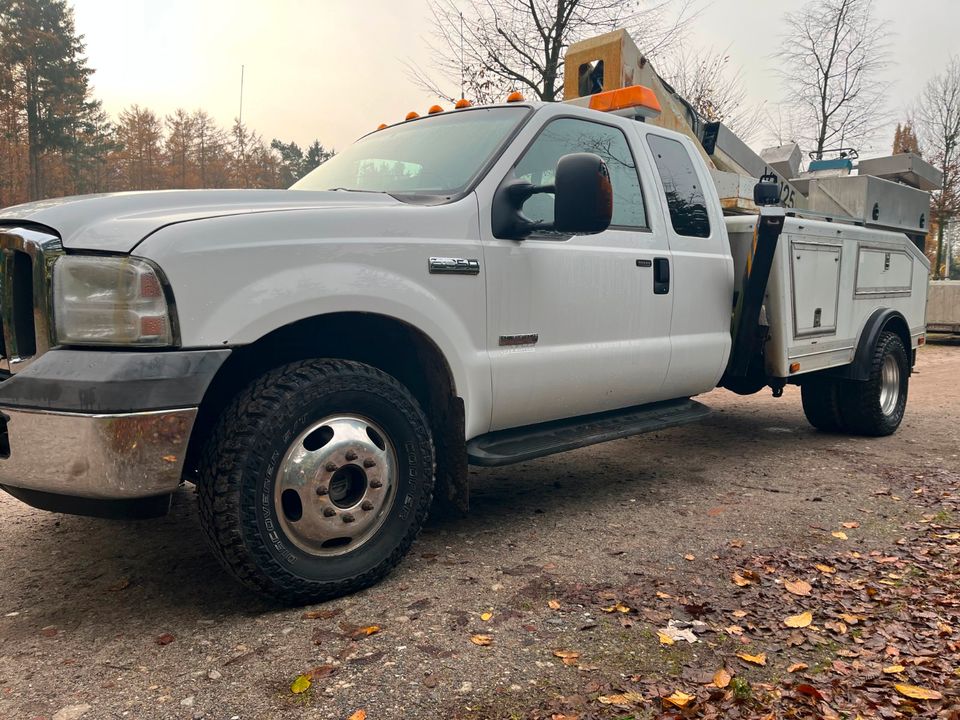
(454, 266)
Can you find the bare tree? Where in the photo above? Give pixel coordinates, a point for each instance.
(706, 79)
(937, 118)
(487, 47)
(833, 57)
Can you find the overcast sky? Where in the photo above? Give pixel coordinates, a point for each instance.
(333, 69)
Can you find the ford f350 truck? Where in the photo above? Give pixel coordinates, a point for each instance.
(485, 285)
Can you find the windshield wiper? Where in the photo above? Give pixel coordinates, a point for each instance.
(346, 189)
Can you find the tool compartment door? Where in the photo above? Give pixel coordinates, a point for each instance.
(815, 278)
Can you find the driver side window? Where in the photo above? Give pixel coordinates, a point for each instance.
(570, 135)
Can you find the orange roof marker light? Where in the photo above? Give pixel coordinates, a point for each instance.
(634, 101)
(515, 96)
(434, 109)
(381, 126)
(412, 115)
(462, 103)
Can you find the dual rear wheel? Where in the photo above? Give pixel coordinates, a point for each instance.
(872, 407)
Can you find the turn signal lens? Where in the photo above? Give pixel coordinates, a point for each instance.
(412, 115)
(434, 109)
(462, 103)
(515, 96)
(381, 126)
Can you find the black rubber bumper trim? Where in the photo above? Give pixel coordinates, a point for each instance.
(92, 381)
(127, 509)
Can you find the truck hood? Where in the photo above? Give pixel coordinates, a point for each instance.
(117, 222)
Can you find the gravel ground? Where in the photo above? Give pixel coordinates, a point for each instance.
(102, 619)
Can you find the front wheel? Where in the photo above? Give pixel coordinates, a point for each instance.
(876, 406)
(316, 480)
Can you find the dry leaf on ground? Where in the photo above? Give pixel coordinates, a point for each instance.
(797, 587)
(759, 659)
(623, 699)
(722, 678)
(839, 534)
(679, 698)
(300, 685)
(799, 621)
(553, 604)
(358, 715)
(918, 693)
(481, 640)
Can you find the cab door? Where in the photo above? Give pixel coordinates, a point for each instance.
(702, 276)
(575, 323)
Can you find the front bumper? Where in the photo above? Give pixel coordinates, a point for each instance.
(122, 456)
(101, 425)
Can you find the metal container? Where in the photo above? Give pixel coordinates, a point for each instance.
(943, 306)
(871, 200)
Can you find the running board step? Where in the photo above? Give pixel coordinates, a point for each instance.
(533, 441)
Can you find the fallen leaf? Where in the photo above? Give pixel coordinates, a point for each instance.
(839, 534)
(164, 639)
(827, 569)
(689, 557)
(760, 659)
(734, 630)
(170, 458)
(797, 667)
(300, 685)
(918, 693)
(851, 525)
(486, 616)
(319, 672)
(894, 669)
(619, 607)
(679, 698)
(799, 621)
(565, 655)
(806, 689)
(739, 613)
(721, 678)
(358, 715)
(321, 614)
(358, 632)
(664, 638)
(625, 699)
(663, 596)
(740, 581)
(838, 627)
(553, 604)
(797, 587)
(481, 640)
(849, 619)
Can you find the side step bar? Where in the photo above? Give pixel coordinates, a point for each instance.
(533, 441)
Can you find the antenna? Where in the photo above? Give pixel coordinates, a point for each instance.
(240, 118)
(461, 55)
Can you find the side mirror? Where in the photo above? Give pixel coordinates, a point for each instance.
(583, 200)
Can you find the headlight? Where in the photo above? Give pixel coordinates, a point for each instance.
(110, 301)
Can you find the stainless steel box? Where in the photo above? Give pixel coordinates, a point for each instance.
(875, 202)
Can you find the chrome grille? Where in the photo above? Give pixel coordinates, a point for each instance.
(26, 272)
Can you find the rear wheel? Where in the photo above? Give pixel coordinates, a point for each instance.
(821, 403)
(316, 480)
(876, 406)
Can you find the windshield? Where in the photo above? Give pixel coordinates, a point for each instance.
(439, 155)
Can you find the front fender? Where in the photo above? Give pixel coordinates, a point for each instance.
(237, 279)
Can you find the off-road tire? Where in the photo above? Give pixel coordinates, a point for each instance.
(821, 403)
(860, 401)
(239, 466)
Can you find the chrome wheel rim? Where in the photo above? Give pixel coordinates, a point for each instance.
(335, 485)
(889, 385)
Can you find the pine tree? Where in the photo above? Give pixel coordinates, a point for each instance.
(44, 55)
(905, 140)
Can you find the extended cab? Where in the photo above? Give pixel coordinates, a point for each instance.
(486, 285)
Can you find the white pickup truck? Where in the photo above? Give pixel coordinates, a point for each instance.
(486, 285)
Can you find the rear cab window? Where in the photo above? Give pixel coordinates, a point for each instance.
(682, 186)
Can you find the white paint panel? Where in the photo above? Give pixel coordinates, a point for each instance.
(815, 270)
(882, 270)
